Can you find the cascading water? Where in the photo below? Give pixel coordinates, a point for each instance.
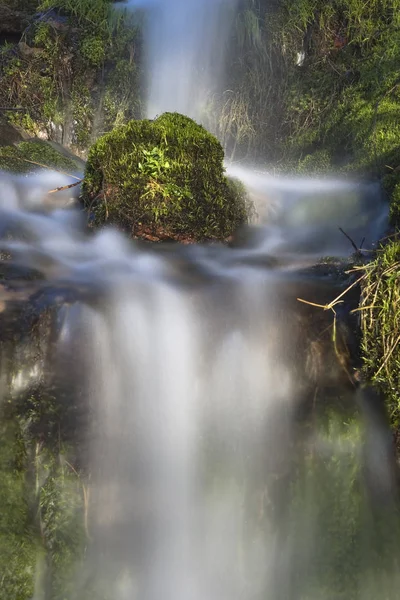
(185, 51)
(227, 456)
(208, 441)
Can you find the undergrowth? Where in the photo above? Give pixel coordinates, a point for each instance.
(74, 74)
(380, 322)
(314, 86)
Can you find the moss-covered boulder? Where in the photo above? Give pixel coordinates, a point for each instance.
(163, 179)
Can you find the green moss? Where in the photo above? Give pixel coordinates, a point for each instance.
(17, 543)
(323, 89)
(316, 163)
(63, 73)
(380, 314)
(27, 157)
(165, 175)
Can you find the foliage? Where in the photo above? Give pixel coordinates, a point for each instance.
(380, 320)
(43, 494)
(163, 176)
(344, 98)
(26, 157)
(94, 13)
(314, 86)
(74, 74)
(41, 523)
(246, 114)
(17, 543)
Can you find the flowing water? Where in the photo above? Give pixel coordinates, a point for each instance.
(187, 429)
(185, 43)
(316, 217)
(175, 424)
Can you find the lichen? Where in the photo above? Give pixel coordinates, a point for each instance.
(163, 177)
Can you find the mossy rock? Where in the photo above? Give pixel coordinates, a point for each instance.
(163, 179)
(27, 157)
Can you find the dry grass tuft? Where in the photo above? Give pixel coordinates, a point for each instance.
(380, 324)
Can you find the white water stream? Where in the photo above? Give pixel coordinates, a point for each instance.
(192, 364)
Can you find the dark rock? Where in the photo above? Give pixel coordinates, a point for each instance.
(12, 21)
(10, 134)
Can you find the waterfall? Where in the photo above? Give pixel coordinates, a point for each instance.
(216, 447)
(185, 45)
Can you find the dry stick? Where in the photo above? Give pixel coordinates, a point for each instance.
(336, 300)
(4, 108)
(350, 240)
(388, 355)
(65, 187)
(331, 306)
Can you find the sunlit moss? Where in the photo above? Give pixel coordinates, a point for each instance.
(163, 177)
(61, 75)
(343, 100)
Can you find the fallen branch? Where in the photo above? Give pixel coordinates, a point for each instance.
(65, 187)
(337, 300)
(331, 306)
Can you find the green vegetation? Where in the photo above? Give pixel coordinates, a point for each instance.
(344, 546)
(163, 178)
(74, 73)
(42, 521)
(27, 157)
(316, 87)
(380, 318)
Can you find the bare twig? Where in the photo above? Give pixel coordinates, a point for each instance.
(6, 109)
(350, 240)
(337, 300)
(65, 187)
